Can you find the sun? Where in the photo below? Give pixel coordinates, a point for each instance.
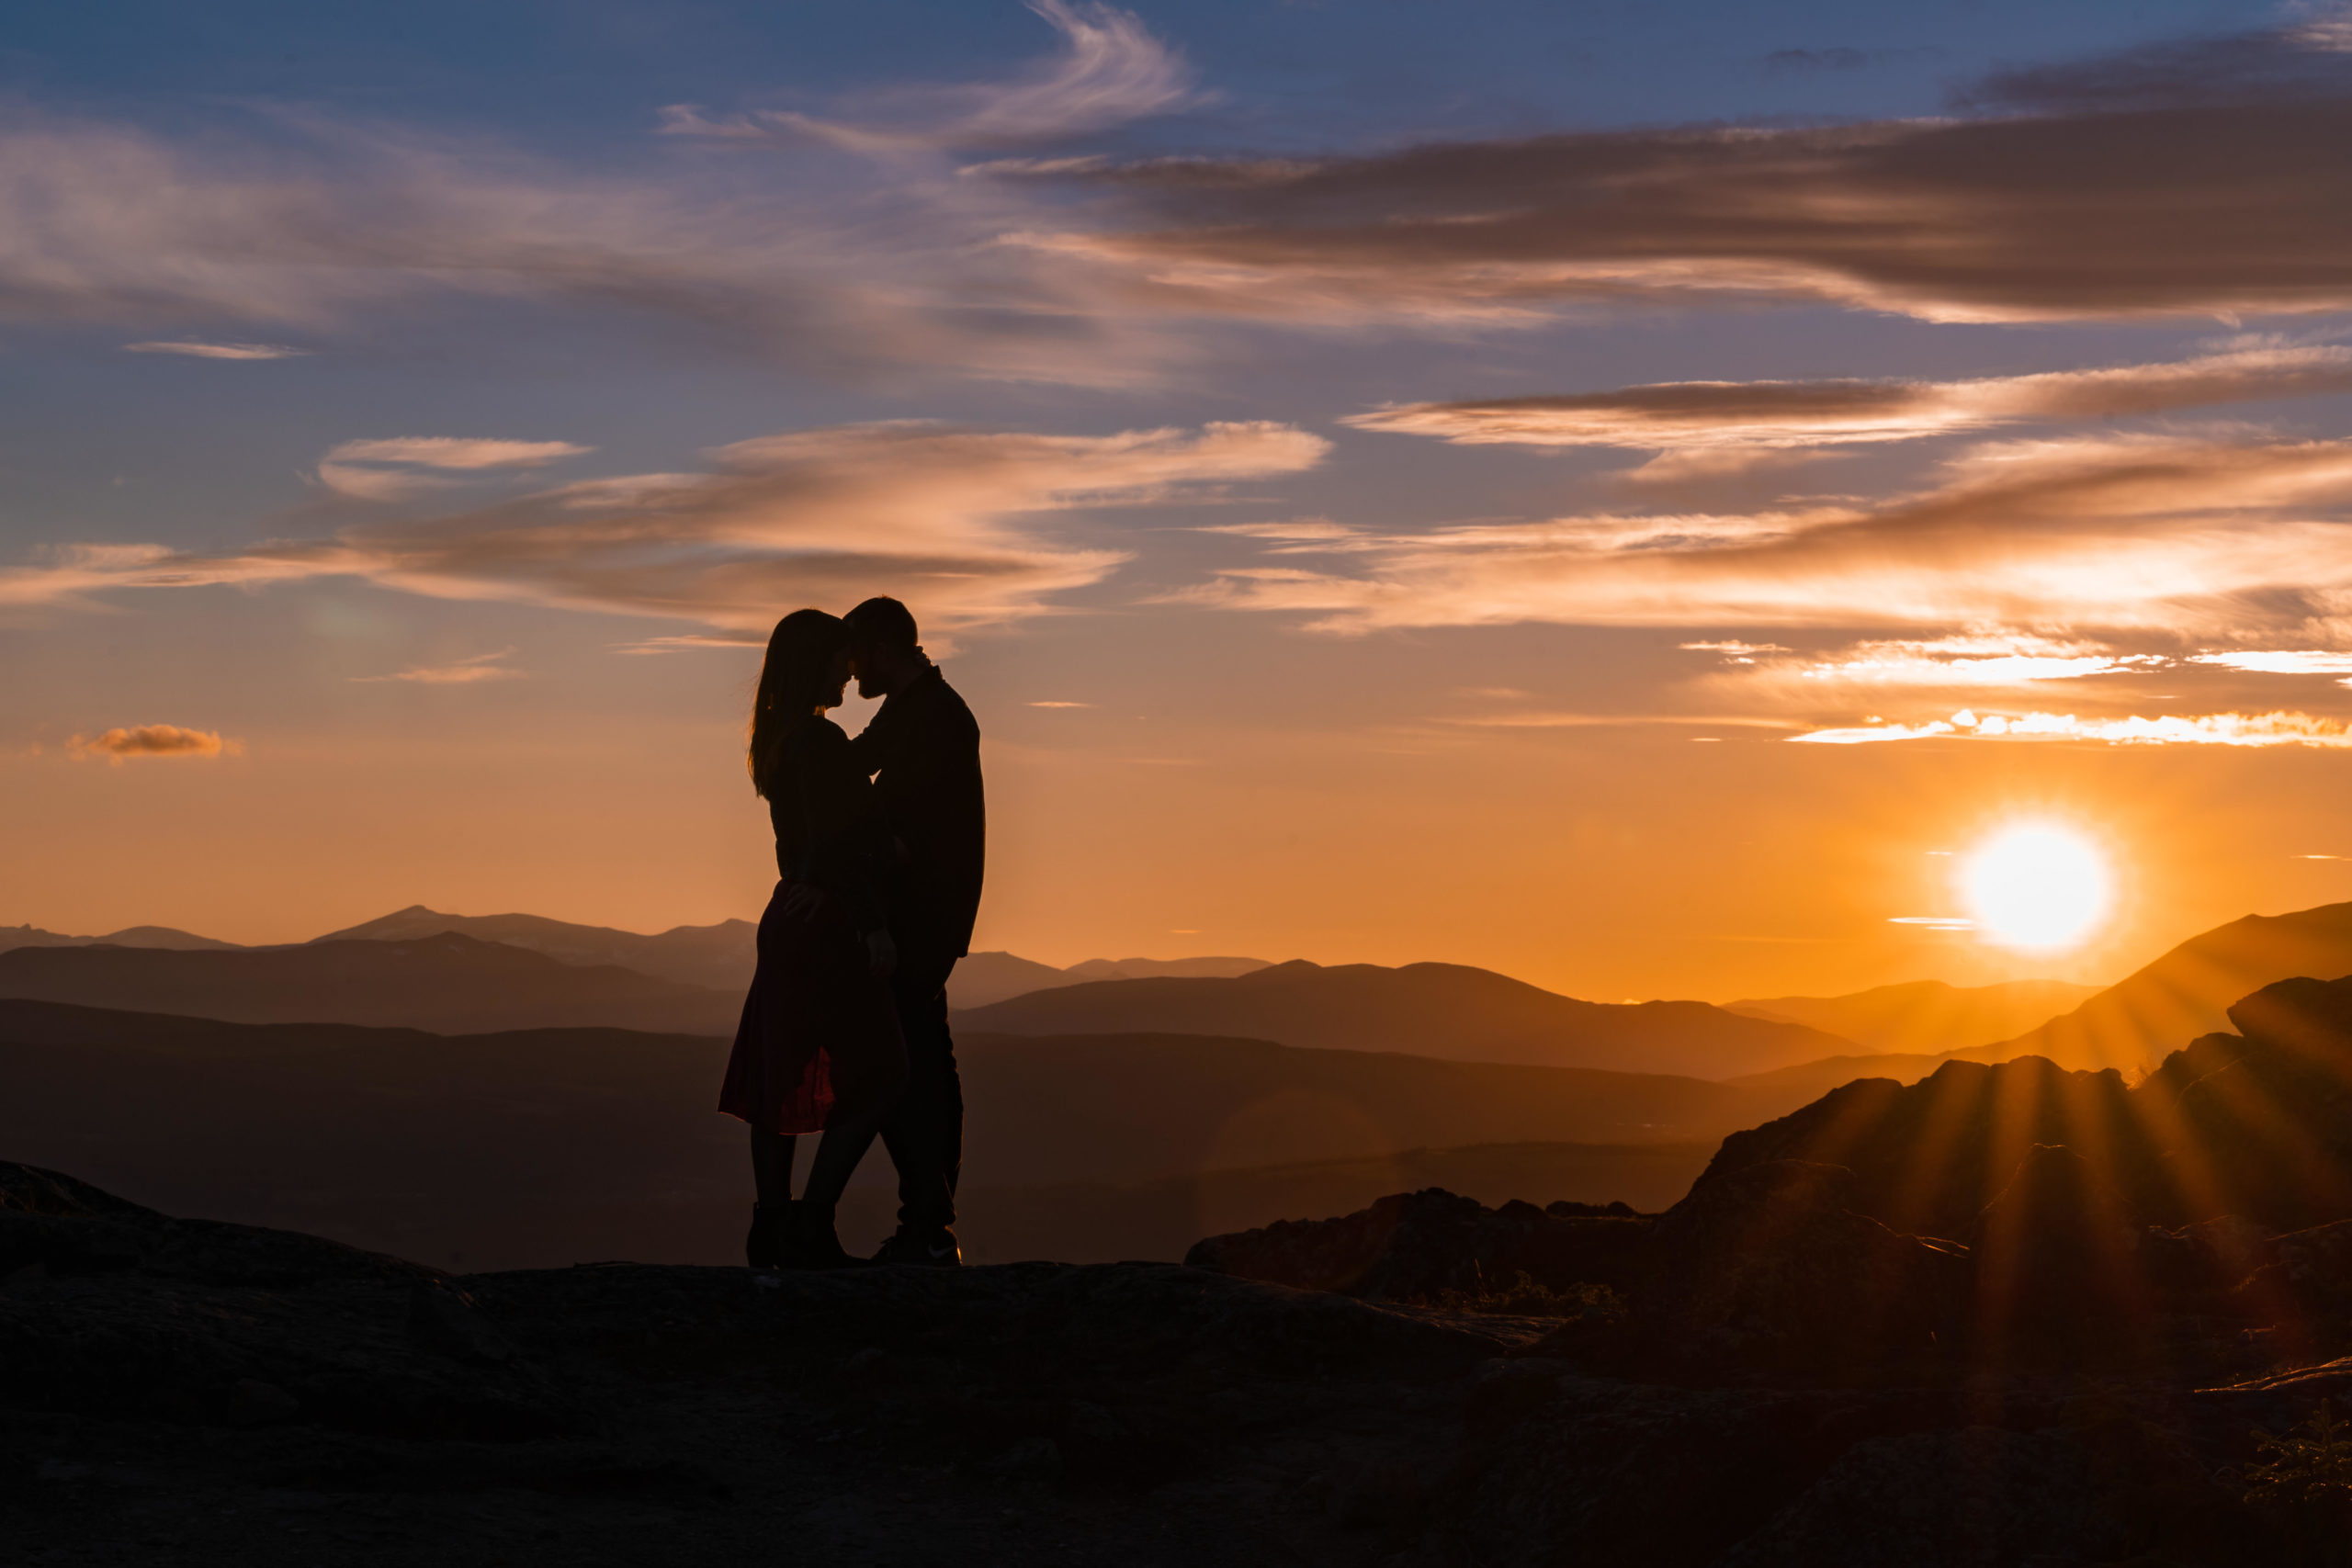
(2035, 887)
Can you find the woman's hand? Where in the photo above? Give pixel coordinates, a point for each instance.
(881, 955)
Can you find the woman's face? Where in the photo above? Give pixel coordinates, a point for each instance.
(836, 682)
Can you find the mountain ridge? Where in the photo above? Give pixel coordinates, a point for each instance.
(1451, 1011)
(450, 980)
(718, 956)
(1925, 1017)
(558, 1146)
(169, 937)
(2186, 991)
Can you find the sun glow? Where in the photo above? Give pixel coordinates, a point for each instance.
(2035, 887)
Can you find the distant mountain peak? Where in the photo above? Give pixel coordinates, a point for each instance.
(1454, 1011)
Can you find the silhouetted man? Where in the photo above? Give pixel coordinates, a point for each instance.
(923, 748)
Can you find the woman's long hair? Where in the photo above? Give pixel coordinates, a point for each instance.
(797, 672)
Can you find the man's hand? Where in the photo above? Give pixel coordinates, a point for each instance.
(803, 902)
(881, 955)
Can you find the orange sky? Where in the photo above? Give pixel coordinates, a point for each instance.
(1606, 861)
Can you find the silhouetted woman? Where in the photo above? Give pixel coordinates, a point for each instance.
(819, 1046)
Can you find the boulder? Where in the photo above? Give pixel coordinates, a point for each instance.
(2268, 1133)
(2059, 1269)
(1927, 1157)
(2256, 1124)
(1417, 1246)
(2303, 1293)
(1771, 1267)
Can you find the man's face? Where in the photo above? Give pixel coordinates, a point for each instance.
(871, 664)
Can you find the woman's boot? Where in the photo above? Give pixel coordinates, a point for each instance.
(763, 1247)
(814, 1243)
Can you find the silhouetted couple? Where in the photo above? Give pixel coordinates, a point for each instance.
(878, 853)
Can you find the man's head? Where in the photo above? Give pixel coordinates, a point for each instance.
(882, 649)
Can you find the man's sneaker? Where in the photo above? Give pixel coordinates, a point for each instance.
(923, 1250)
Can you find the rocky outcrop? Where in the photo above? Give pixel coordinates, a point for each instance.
(2268, 1134)
(106, 1306)
(1777, 1268)
(1773, 1267)
(1417, 1246)
(2256, 1124)
(1928, 1156)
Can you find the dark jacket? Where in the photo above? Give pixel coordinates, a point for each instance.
(830, 830)
(923, 748)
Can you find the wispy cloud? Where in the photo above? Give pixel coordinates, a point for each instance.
(686, 641)
(2187, 183)
(456, 452)
(939, 516)
(1110, 70)
(1992, 659)
(1715, 416)
(340, 231)
(397, 468)
(462, 673)
(2281, 662)
(194, 350)
(1542, 720)
(1054, 704)
(119, 746)
(1733, 650)
(2170, 730)
(1289, 531)
(2205, 539)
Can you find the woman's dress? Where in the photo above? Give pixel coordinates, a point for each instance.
(818, 1042)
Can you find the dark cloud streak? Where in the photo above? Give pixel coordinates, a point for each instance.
(2117, 195)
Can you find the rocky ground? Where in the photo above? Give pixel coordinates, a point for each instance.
(185, 1392)
(2009, 1315)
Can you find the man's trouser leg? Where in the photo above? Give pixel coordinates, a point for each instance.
(925, 1131)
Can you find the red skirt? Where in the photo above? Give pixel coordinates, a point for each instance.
(819, 1041)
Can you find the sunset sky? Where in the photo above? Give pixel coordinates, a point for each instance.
(1623, 495)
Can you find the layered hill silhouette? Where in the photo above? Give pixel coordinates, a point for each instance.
(447, 983)
(693, 976)
(980, 978)
(720, 957)
(1156, 968)
(2187, 992)
(985, 978)
(420, 968)
(1446, 1011)
(558, 1146)
(130, 936)
(1925, 1017)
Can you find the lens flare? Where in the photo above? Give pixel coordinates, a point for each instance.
(2035, 888)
